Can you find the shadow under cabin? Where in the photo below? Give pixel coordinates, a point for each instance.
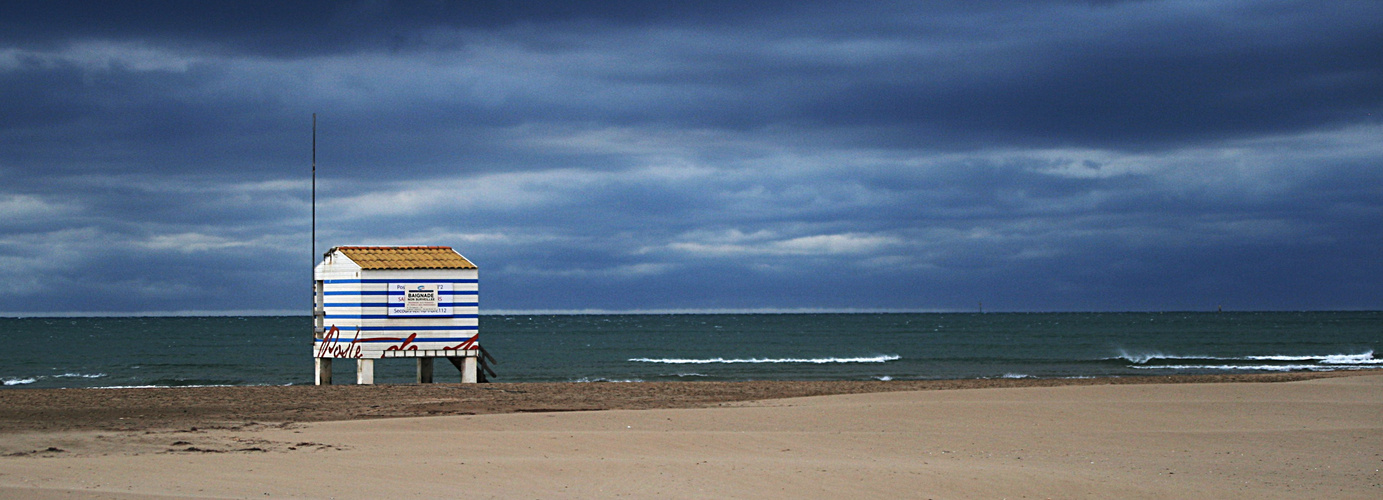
(374, 302)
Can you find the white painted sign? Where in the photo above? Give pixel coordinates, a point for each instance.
(420, 299)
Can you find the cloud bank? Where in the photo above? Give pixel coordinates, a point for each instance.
(704, 155)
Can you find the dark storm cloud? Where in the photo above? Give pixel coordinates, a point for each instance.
(633, 155)
(295, 29)
(937, 76)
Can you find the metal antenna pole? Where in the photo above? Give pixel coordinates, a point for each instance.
(314, 194)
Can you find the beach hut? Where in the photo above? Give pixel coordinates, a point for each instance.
(376, 302)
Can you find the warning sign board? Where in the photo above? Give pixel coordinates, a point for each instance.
(420, 299)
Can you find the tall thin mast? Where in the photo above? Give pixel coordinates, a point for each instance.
(314, 194)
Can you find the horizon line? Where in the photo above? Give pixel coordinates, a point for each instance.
(613, 312)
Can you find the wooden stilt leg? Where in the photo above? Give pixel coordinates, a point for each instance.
(462, 365)
(468, 370)
(323, 369)
(365, 371)
(424, 370)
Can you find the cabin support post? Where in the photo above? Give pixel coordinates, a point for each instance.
(467, 366)
(424, 370)
(323, 371)
(468, 370)
(365, 371)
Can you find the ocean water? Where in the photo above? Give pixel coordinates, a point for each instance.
(195, 351)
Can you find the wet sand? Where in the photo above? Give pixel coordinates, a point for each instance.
(1274, 436)
(169, 408)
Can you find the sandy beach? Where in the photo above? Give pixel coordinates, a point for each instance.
(1276, 436)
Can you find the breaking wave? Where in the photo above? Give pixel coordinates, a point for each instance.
(1335, 359)
(1269, 362)
(1264, 368)
(883, 358)
(18, 380)
(168, 386)
(29, 380)
(586, 380)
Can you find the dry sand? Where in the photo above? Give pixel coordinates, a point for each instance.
(1317, 438)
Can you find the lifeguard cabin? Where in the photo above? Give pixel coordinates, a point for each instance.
(376, 302)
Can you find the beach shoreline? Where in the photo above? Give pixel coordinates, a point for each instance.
(137, 409)
(1303, 435)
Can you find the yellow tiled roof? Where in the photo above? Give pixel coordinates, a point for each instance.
(406, 257)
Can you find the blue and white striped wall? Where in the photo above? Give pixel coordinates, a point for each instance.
(355, 320)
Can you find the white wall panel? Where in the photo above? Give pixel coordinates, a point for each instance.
(374, 334)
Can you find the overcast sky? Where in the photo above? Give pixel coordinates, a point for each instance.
(1029, 155)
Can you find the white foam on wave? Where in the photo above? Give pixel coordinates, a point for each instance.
(36, 378)
(584, 380)
(883, 358)
(884, 378)
(1352, 359)
(1267, 368)
(1141, 358)
(1365, 358)
(1284, 358)
(171, 386)
(80, 375)
(1016, 375)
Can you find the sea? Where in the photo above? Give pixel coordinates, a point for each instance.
(609, 348)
